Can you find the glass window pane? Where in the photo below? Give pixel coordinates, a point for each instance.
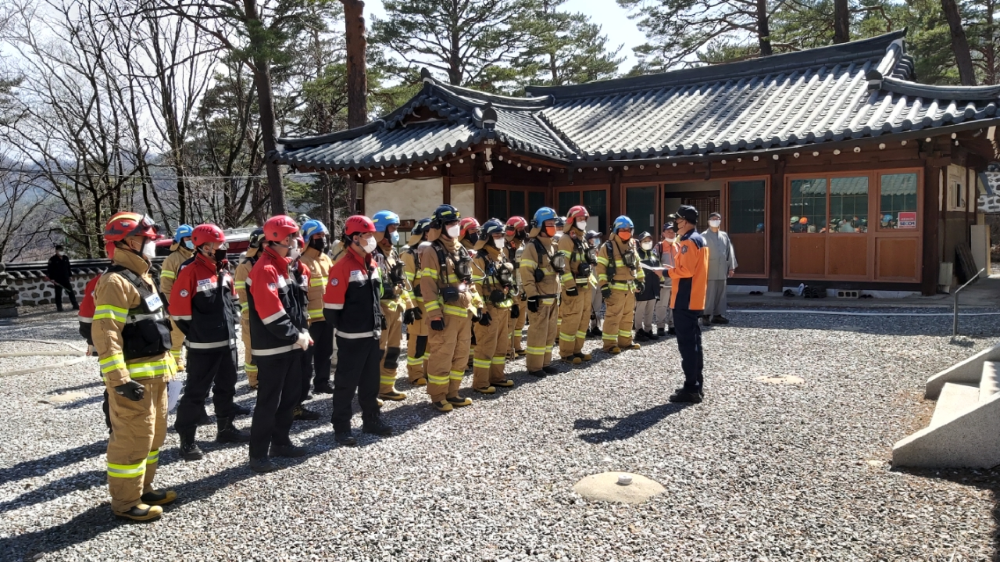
(536, 200)
(746, 206)
(567, 199)
(517, 205)
(497, 204)
(808, 205)
(639, 205)
(898, 194)
(596, 202)
(849, 204)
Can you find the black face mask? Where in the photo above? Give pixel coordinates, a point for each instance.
(318, 244)
(473, 237)
(220, 255)
(521, 235)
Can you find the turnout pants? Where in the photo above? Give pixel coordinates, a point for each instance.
(358, 363)
(541, 334)
(177, 346)
(205, 368)
(320, 353)
(574, 314)
(517, 327)
(389, 342)
(248, 362)
(664, 314)
(491, 348)
(138, 431)
(689, 344)
(618, 316)
(278, 392)
(416, 349)
(449, 356)
(596, 307)
(715, 298)
(644, 315)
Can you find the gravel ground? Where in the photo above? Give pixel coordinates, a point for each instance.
(757, 472)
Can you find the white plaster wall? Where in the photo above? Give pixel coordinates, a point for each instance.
(463, 197)
(408, 198)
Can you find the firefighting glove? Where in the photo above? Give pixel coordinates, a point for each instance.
(131, 390)
(485, 319)
(606, 291)
(417, 315)
(408, 316)
(437, 324)
(572, 291)
(533, 304)
(640, 286)
(515, 311)
(477, 315)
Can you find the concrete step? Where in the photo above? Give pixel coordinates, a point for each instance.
(990, 383)
(955, 400)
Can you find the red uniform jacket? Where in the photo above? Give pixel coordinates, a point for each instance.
(201, 304)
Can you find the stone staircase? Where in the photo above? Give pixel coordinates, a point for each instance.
(965, 429)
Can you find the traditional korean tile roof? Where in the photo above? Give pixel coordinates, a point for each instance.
(862, 89)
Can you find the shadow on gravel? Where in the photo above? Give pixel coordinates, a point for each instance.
(82, 402)
(982, 479)
(627, 427)
(53, 490)
(44, 465)
(94, 384)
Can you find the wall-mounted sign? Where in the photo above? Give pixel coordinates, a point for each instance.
(907, 219)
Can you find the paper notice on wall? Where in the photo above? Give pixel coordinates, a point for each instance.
(907, 219)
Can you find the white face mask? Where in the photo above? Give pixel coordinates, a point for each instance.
(670, 240)
(647, 246)
(498, 242)
(715, 223)
(149, 249)
(368, 245)
(294, 252)
(581, 225)
(453, 231)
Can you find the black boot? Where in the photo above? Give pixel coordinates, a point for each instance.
(375, 426)
(652, 335)
(288, 450)
(260, 466)
(189, 449)
(241, 410)
(641, 336)
(229, 433)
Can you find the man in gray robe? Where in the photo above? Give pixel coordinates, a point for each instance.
(721, 266)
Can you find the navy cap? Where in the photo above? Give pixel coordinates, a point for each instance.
(688, 213)
(715, 216)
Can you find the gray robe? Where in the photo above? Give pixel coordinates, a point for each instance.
(721, 258)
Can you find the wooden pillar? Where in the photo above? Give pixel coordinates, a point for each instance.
(616, 198)
(777, 228)
(446, 190)
(482, 209)
(930, 258)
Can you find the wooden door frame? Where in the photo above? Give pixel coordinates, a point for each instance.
(724, 205)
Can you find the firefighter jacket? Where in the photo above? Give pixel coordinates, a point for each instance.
(319, 265)
(411, 269)
(337, 250)
(351, 301)
(446, 280)
(201, 304)
(392, 271)
(131, 330)
(618, 265)
(299, 275)
(86, 313)
(690, 272)
(169, 268)
(581, 258)
(242, 273)
(277, 316)
(545, 283)
(494, 277)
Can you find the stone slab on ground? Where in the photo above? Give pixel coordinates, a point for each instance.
(606, 486)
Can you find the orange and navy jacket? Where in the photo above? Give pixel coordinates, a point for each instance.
(86, 313)
(277, 313)
(351, 300)
(690, 272)
(201, 304)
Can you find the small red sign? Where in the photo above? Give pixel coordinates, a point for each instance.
(907, 220)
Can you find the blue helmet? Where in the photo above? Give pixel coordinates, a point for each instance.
(383, 219)
(544, 214)
(183, 231)
(312, 228)
(622, 222)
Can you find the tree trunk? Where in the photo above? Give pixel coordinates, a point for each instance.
(268, 132)
(357, 78)
(841, 22)
(763, 31)
(959, 43)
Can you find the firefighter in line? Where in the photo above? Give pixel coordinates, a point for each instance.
(596, 299)
(469, 235)
(201, 306)
(493, 275)
(515, 233)
(86, 317)
(180, 251)
(279, 337)
(541, 265)
(397, 309)
(452, 303)
(241, 275)
(620, 278)
(320, 355)
(416, 333)
(578, 281)
(351, 306)
(299, 275)
(131, 334)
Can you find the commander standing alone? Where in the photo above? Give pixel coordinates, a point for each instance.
(690, 281)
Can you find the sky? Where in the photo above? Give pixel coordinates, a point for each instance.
(613, 20)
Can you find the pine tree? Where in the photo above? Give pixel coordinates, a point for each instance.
(566, 48)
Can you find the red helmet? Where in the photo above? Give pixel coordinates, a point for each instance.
(207, 234)
(576, 213)
(126, 223)
(467, 224)
(516, 223)
(301, 241)
(279, 227)
(358, 223)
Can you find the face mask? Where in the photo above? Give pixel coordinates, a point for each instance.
(294, 252)
(220, 255)
(453, 231)
(189, 244)
(149, 249)
(625, 236)
(715, 223)
(473, 237)
(581, 225)
(670, 240)
(647, 246)
(368, 245)
(550, 231)
(394, 238)
(498, 242)
(318, 244)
